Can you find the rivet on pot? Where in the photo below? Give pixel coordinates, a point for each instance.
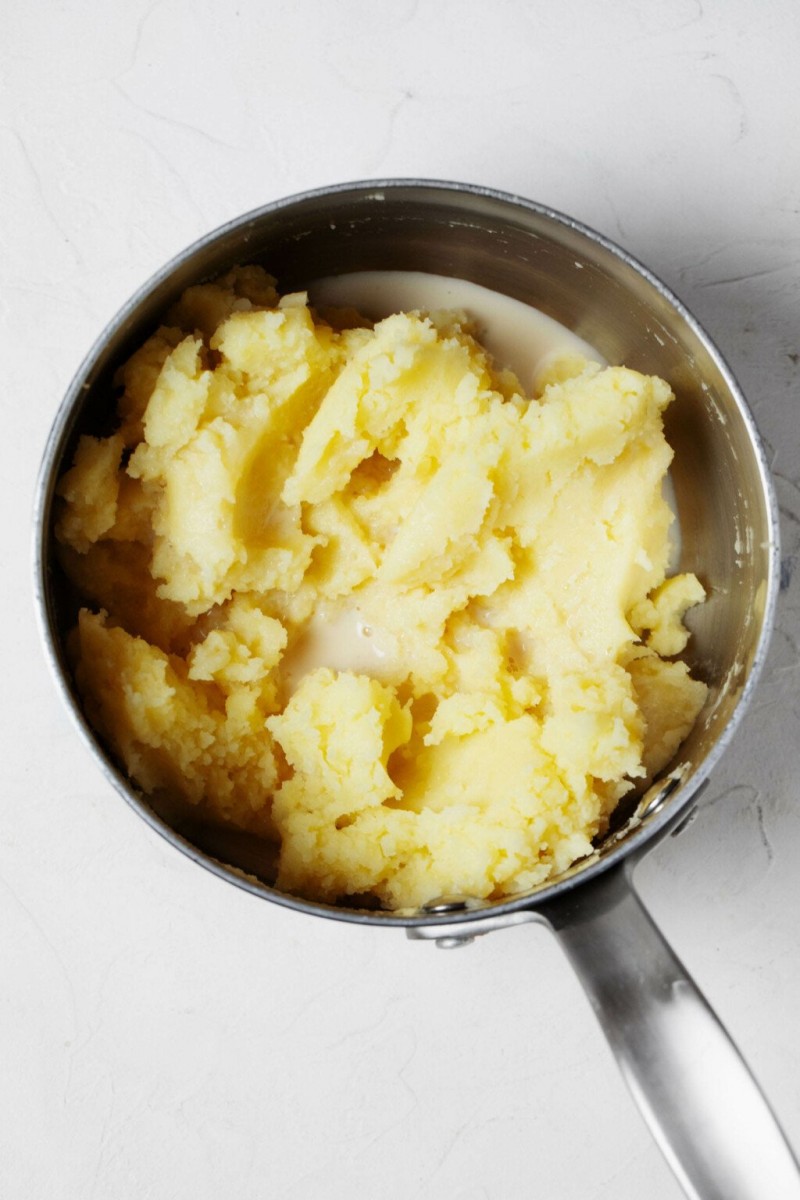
(453, 943)
(656, 797)
(446, 905)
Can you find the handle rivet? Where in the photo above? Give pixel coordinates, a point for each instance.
(453, 943)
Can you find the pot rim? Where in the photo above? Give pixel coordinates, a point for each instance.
(654, 827)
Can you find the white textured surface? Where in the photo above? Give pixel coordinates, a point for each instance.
(163, 1034)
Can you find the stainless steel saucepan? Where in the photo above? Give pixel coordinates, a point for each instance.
(703, 1106)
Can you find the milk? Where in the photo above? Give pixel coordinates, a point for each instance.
(516, 335)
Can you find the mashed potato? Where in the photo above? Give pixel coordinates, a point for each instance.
(350, 589)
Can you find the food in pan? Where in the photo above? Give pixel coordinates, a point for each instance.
(350, 587)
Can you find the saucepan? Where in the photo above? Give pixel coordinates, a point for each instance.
(701, 1102)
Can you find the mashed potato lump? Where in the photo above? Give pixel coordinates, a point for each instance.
(349, 588)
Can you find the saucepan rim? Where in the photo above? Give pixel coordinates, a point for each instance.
(649, 831)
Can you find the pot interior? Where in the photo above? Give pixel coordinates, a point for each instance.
(720, 479)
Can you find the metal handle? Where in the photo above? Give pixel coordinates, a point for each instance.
(704, 1108)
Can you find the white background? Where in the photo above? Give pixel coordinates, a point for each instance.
(165, 1035)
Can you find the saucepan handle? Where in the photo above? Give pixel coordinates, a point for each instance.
(704, 1108)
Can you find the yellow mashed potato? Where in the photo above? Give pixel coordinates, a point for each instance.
(275, 476)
